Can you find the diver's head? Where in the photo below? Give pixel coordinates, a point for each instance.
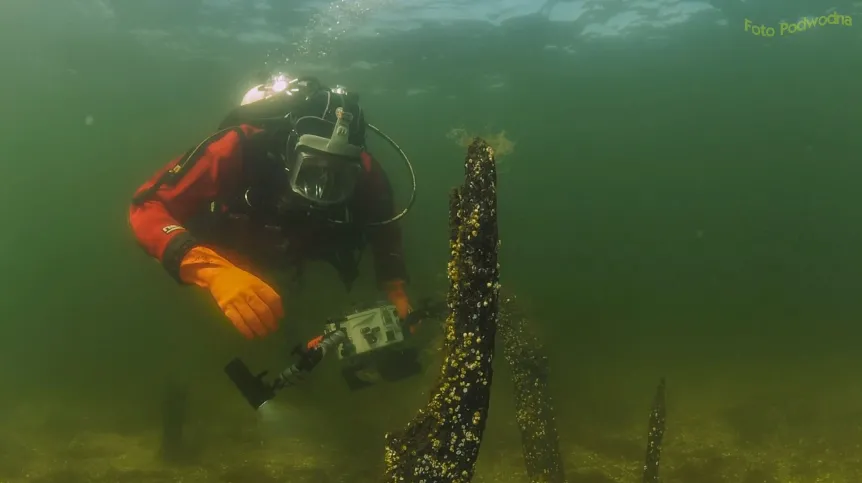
(323, 151)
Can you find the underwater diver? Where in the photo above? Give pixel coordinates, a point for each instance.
(286, 179)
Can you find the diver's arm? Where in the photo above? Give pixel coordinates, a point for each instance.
(162, 205)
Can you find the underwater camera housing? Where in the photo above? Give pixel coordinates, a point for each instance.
(375, 348)
(372, 345)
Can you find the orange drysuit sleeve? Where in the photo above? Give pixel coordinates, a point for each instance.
(183, 188)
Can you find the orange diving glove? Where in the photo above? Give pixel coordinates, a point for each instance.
(252, 306)
(398, 297)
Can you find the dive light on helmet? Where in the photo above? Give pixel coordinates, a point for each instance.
(280, 83)
(275, 85)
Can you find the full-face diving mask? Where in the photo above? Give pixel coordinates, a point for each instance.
(322, 165)
(324, 170)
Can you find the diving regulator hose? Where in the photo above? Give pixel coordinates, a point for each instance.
(409, 166)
